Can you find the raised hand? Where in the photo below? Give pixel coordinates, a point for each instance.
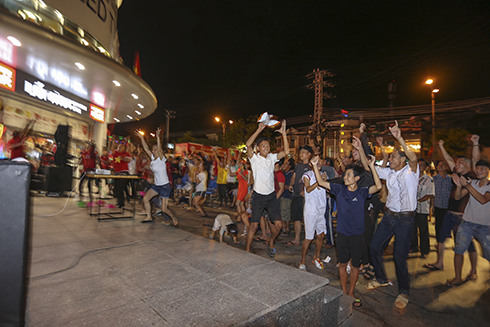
(441, 143)
(356, 143)
(362, 128)
(314, 160)
(261, 127)
(158, 131)
(380, 141)
(395, 130)
(456, 179)
(371, 160)
(282, 130)
(137, 133)
(463, 181)
(475, 139)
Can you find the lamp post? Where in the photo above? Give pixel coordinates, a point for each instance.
(433, 102)
(223, 124)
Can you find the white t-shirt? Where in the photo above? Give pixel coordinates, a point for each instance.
(475, 212)
(159, 168)
(201, 187)
(426, 187)
(220, 223)
(316, 200)
(263, 170)
(402, 188)
(231, 179)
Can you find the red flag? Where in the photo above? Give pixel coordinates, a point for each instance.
(136, 66)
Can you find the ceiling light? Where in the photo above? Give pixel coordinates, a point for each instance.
(101, 49)
(80, 66)
(129, 116)
(134, 96)
(14, 41)
(139, 113)
(140, 105)
(41, 2)
(116, 83)
(117, 120)
(84, 42)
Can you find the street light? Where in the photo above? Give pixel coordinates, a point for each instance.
(433, 102)
(223, 124)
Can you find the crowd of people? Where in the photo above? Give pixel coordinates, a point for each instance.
(278, 196)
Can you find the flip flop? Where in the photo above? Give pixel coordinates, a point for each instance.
(453, 284)
(147, 221)
(357, 303)
(401, 302)
(291, 243)
(431, 267)
(260, 239)
(471, 277)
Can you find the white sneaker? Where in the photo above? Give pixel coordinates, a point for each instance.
(302, 267)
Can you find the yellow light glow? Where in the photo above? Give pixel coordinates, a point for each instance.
(342, 133)
(435, 90)
(429, 81)
(230, 121)
(342, 125)
(341, 150)
(141, 132)
(217, 119)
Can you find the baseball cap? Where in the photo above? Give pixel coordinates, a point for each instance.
(307, 148)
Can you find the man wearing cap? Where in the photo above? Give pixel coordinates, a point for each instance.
(297, 188)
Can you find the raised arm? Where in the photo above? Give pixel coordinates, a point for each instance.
(446, 156)
(377, 182)
(251, 140)
(381, 145)
(282, 130)
(475, 151)
(159, 143)
(412, 158)
(143, 142)
(356, 143)
(319, 179)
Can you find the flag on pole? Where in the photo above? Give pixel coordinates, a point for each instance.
(136, 66)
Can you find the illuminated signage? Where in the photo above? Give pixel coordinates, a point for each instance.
(97, 113)
(7, 52)
(37, 90)
(7, 77)
(31, 86)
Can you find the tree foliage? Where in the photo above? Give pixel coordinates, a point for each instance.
(240, 131)
(455, 140)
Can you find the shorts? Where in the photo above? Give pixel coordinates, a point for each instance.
(200, 193)
(314, 223)
(162, 190)
(268, 202)
(350, 247)
(297, 205)
(466, 232)
(285, 209)
(450, 222)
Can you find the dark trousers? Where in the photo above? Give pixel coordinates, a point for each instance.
(222, 194)
(371, 213)
(439, 214)
(120, 187)
(420, 226)
(399, 225)
(82, 181)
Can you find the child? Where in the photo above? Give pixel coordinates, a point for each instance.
(264, 196)
(223, 223)
(313, 212)
(350, 217)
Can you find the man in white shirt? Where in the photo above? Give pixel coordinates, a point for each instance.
(402, 182)
(264, 195)
(425, 192)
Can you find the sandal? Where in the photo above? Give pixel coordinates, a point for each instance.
(451, 283)
(291, 243)
(369, 274)
(357, 303)
(471, 277)
(401, 302)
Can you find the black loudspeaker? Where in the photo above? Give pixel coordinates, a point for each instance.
(14, 225)
(57, 179)
(61, 136)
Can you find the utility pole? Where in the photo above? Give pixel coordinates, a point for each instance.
(169, 114)
(319, 84)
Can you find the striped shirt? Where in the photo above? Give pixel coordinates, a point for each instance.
(443, 187)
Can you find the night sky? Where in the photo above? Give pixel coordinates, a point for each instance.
(237, 58)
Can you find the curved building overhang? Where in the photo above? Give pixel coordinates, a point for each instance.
(53, 59)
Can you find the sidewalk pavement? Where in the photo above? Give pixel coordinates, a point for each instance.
(72, 238)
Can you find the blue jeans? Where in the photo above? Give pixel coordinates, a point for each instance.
(466, 232)
(399, 225)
